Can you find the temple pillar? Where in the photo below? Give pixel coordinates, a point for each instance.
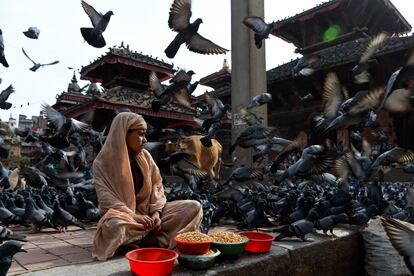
(248, 73)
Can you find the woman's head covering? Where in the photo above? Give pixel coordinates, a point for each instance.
(111, 166)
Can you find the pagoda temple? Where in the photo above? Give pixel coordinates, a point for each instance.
(123, 74)
(338, 32)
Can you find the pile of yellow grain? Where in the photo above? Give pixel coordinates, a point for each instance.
(193, 237)
(225, 237)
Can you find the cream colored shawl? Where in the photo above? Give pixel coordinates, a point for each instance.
(113, 177)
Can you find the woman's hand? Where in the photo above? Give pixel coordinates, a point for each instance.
(157, 221)
(144, 220)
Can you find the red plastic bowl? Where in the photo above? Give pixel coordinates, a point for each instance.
(151, 261)
(193, 248)
(259, 242)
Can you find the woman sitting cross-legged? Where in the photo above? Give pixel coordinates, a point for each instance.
(131, 195)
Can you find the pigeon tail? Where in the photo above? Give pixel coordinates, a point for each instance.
(93, 38)
(206, 141)
(172, 49)
(258, 41)
(156, 105)
(4, 61)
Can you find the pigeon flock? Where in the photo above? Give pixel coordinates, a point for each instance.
(327, 183)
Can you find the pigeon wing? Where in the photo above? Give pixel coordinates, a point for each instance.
(180, 13)
(24, 52)
(78, 125)
(155, 84)
(370, 100)
(255, 23)
(94, 16)
(401, 235)
(54, 116)
(377, 42)
(52, 63)
(332, 95)
(201, 45)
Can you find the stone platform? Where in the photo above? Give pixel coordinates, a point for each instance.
(52, 253)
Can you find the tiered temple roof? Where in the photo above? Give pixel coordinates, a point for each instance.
(349, 19)
(341, 54)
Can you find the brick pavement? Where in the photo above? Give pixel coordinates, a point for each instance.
(51, 249)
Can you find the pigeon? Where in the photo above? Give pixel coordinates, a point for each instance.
(94, 35)
(397, 155)
(259, 100)
(260, 27)
(64, 126)
(13, 208)
(244, 173)
(329, 222)
(400, 89)
(298, 228)
(401, 236)
(7, 217)
(360, 71)
(37, 65)
(7, 251)
(7, 234)
(179, 21)
(34, 177)
(2, 57)
(305, 66)
(32, 32)
(36, 216)
(252, 136)
(63, 218)
(4, 95)
(179, 82)
(217, 110)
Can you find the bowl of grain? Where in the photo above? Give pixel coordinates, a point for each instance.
(231, 245)
(199, 262)
(193, 243)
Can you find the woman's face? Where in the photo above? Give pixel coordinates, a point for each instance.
(135, 139)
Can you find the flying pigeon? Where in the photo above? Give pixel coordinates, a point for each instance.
(94, 35)
(37, 65)
(32, 32)
(261, 29)
(179, 21)
(2, 57)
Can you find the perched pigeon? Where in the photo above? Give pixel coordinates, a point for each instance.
(2, 57)
(179, 21)
(260, 28)
(7, 234)
(7, 251)
(94, 35)
(37, 65)
(63, 218)
(32, 32)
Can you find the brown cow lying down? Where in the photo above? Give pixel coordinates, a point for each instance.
(207, 159)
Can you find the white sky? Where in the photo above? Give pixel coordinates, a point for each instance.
(141, 24)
